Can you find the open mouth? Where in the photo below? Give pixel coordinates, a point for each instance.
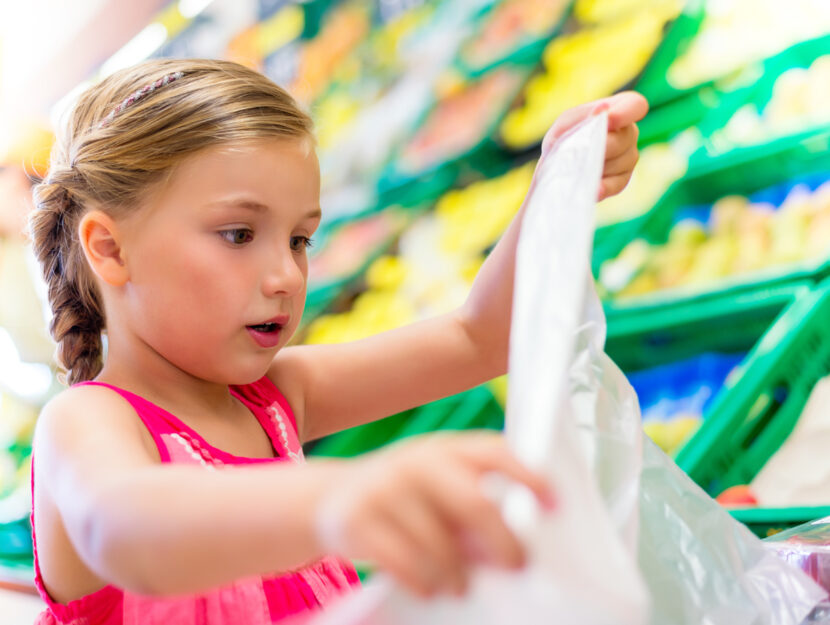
(266, 328)
(267, 334)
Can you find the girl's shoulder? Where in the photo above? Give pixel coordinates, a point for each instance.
(81, 418)
(87, 438)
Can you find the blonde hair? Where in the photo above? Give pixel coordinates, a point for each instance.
(112, 160)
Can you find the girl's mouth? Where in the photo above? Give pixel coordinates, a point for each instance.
(265, 334)
(265, 327)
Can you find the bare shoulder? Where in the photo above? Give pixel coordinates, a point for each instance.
(87, 438)
(90, 419)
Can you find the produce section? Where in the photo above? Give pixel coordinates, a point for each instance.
(713, 264)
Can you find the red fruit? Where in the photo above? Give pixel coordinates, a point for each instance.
(737, 496)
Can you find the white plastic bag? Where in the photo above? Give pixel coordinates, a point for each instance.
(631, 528)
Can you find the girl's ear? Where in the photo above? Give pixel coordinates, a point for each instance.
(101, 242)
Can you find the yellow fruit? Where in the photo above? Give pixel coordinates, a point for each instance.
(577, 70)
(656, 431)
(386, 273)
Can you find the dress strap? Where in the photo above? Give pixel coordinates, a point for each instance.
(275, 415)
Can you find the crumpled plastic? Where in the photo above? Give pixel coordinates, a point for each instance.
(806, 547)
(633, 541)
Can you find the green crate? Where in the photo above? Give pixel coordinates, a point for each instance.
(664, 121)
(749, 424)
(743, 172)
(760, 80)
(733, 324)
(652, 83)
(766, 522)
(475, 408)
(660, 334)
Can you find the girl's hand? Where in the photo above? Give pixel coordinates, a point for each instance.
(624, 110)
(417, 510)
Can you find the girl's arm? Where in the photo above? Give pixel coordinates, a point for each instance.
(172, 529)
(333, 387)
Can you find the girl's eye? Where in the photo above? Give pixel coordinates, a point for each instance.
(300, 243)
(237, 236)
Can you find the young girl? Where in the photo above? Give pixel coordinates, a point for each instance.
(169, 484)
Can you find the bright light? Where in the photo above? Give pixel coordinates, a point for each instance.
(136, 49)
(65, 104)
(24, 379)
(192, 8)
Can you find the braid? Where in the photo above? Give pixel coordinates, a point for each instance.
(77, 318)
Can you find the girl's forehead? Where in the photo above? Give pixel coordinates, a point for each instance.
(280, 173)
(276, 168)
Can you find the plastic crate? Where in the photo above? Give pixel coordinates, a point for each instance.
(700, 337)
(748, 425)
(476, 408)
(658, 334)
(652, 83)
(760, 79)
(766, 522)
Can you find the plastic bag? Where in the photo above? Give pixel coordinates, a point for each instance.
(630, 525)
(806, 547)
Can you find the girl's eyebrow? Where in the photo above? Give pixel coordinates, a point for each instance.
(257, 207)
(252, 205)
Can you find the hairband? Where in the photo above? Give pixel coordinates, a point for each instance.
(164, 80)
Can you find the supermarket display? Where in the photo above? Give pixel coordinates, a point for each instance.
(799, 101)
(571, 415)
(734, 33)
(437, 258)
(713, 265)
(770, 231)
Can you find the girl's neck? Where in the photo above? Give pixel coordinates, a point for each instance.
(148, 374)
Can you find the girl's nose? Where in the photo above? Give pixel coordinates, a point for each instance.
(286, 275)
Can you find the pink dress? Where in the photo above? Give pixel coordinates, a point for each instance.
(255, 601)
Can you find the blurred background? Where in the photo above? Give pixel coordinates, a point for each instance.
(429, 118)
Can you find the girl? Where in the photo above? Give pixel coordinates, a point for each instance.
(169, 484)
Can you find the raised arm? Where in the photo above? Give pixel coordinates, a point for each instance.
(334, 387)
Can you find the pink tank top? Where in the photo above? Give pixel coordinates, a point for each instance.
(254, 601)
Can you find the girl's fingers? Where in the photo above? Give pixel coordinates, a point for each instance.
(489, 453)
(625, 108)
(611, 185)
(475, 516)
(391, 553)
(621, 164)
(434, 542)
(620, 141)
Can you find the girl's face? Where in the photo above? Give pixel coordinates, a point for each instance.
(218, 262)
